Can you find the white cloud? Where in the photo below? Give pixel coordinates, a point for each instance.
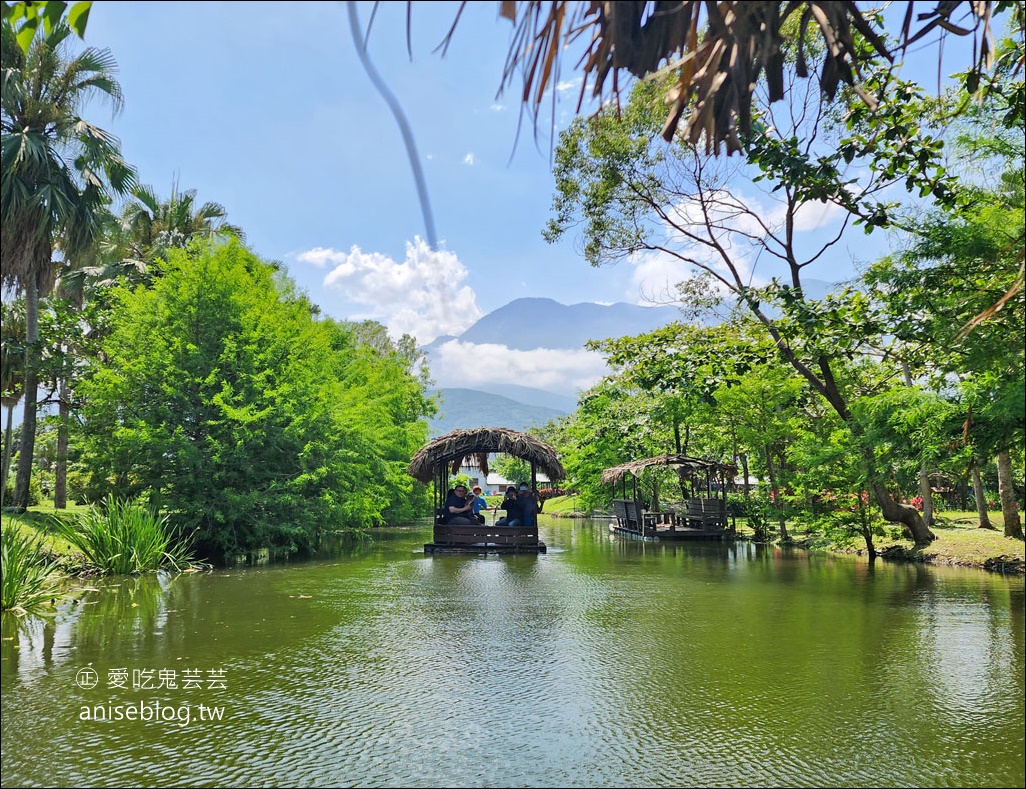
(423, 295)
(654, 276)
(469, 159)
(497, 107)
(318, 256)
(812, 216)
(469, 365)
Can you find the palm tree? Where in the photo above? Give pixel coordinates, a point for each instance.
(57, 171)
(151, 226)
(12, 372)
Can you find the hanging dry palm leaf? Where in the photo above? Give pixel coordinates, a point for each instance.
(718, 51)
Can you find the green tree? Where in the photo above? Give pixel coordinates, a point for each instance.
(58, 170)
(150, 226)
(226, 401)
(12, 373)
(611, 426)
(966, 258)
(66, 342)
(726, 390)
(632, 197)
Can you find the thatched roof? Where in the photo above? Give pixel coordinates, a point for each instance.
(615, 474)
(453, 448)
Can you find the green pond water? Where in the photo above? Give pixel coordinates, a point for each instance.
(601, 663)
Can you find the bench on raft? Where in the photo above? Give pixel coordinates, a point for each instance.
(704, 514)
(484, 535)
(631, 517)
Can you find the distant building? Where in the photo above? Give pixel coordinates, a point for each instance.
(495, 483)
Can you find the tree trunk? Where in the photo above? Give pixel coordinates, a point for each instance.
(892, 510)
(924, 478)
(904, 514)
(60, 478)
(777, 504)
(927, 495)
(9, 404)
(980, 496)
(28, 422)
(1006, 492)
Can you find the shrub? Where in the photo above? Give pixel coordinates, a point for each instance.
(78, 487)
(35, 491)
(123, 537)
(27, 576)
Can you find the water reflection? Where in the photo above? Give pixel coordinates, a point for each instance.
(602, 663)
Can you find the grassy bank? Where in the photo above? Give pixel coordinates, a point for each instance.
(959, 541)
(41, 522)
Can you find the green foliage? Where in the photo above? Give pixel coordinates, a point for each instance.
(12, 348)
(759, 512)
(28, 578)
(149, 226)
(58, 172)
(226, 401)
(122, 537)
(512, 468)
(953, 298)
(845, 518)
(910, 428)
(77, 487)
(27, 16)
(35, 491)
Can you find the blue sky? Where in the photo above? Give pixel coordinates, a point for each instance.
(265, 108)
(271, 114)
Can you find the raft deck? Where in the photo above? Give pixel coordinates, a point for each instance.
(479, 538)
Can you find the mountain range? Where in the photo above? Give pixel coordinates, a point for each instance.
(532, 324)
(544, 340)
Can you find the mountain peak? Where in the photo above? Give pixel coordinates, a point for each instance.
(537, 322)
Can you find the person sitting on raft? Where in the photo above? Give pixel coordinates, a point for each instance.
(458, 510)
(514, 511)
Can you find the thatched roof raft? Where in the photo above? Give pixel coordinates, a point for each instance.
(453, 448)
(615, 474)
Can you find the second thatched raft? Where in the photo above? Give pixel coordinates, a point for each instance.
(682, 462)
(452, 449)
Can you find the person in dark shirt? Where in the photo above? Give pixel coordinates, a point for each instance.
(528, 504)
(514, 512)
(457, 509)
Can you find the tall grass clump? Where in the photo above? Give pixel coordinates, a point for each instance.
(124, 537)
(28, 578)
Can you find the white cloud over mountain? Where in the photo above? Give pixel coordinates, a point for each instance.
(423, 295)
(471, 365)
